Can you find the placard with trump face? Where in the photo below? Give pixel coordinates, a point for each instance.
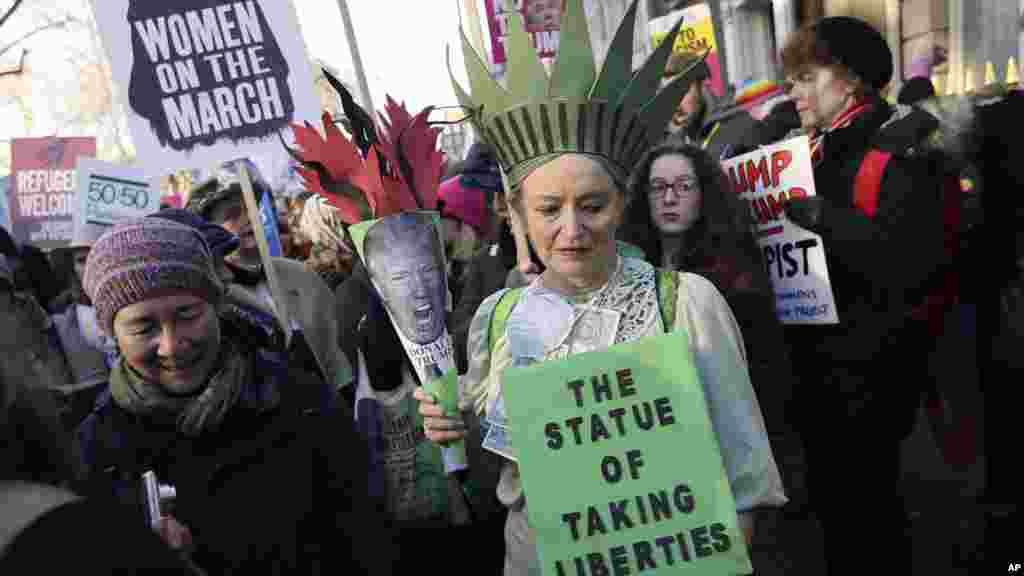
(404, 256)
(405, 259)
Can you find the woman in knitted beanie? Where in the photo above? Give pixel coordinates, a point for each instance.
(223, 420)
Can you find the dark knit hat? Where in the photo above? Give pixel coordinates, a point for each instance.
(220, 241)
(480, 170)
(915, 90)
(224, 184)
(858, 46)
(132, 261)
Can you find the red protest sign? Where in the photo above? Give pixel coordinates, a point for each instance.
(42, 191)
(543, 19)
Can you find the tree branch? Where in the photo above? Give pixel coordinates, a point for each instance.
(10, 11)
(20, 68)
(49, 26)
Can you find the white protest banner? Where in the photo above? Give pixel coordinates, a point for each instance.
(765, 179)
(109, 193)
(207, 81)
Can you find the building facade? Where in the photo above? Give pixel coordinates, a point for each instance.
(962, 45)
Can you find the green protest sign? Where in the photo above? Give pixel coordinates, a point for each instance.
(620, 464)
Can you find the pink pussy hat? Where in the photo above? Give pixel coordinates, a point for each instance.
(465, 204)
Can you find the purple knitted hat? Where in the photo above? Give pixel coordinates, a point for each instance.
(136, 258)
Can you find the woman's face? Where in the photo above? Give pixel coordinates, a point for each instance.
(572, 208)
(232, 215)
(674, 193)
(172, 341)
(821, 96)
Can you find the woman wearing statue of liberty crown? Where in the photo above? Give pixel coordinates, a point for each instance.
(566, 145)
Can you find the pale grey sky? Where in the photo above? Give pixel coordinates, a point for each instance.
(402, 43)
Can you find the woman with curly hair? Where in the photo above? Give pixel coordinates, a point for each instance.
(684, 217)
(681, 217)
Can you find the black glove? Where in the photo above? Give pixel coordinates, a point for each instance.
(807, 213)
(381, 346)
(778, 124)
(732, 151)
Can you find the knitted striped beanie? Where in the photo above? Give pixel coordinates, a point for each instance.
(137, 258)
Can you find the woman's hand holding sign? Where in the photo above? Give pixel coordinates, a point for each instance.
(440, 428)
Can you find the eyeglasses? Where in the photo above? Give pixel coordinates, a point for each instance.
(683, 188)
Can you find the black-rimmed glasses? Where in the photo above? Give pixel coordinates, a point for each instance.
(682, 187)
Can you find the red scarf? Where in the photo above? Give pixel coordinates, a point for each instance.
(841, 121)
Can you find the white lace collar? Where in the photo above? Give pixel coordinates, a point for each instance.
(544, 318)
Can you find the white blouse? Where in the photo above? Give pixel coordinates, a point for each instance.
(545, 325)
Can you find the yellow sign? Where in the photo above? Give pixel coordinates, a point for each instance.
(696, 36)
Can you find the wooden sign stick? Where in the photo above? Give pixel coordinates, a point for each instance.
(276, 292)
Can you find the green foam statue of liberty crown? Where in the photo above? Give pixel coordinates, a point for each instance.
(615, 116)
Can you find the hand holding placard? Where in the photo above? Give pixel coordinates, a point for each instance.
(446, 391)
(437, 425)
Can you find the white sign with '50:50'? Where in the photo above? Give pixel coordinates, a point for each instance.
(109, 193)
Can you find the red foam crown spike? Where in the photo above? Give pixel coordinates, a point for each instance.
(407, 180)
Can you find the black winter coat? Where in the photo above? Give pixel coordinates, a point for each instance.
(880, 268)
(271, 492)
(485, 275)
(118, 547)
